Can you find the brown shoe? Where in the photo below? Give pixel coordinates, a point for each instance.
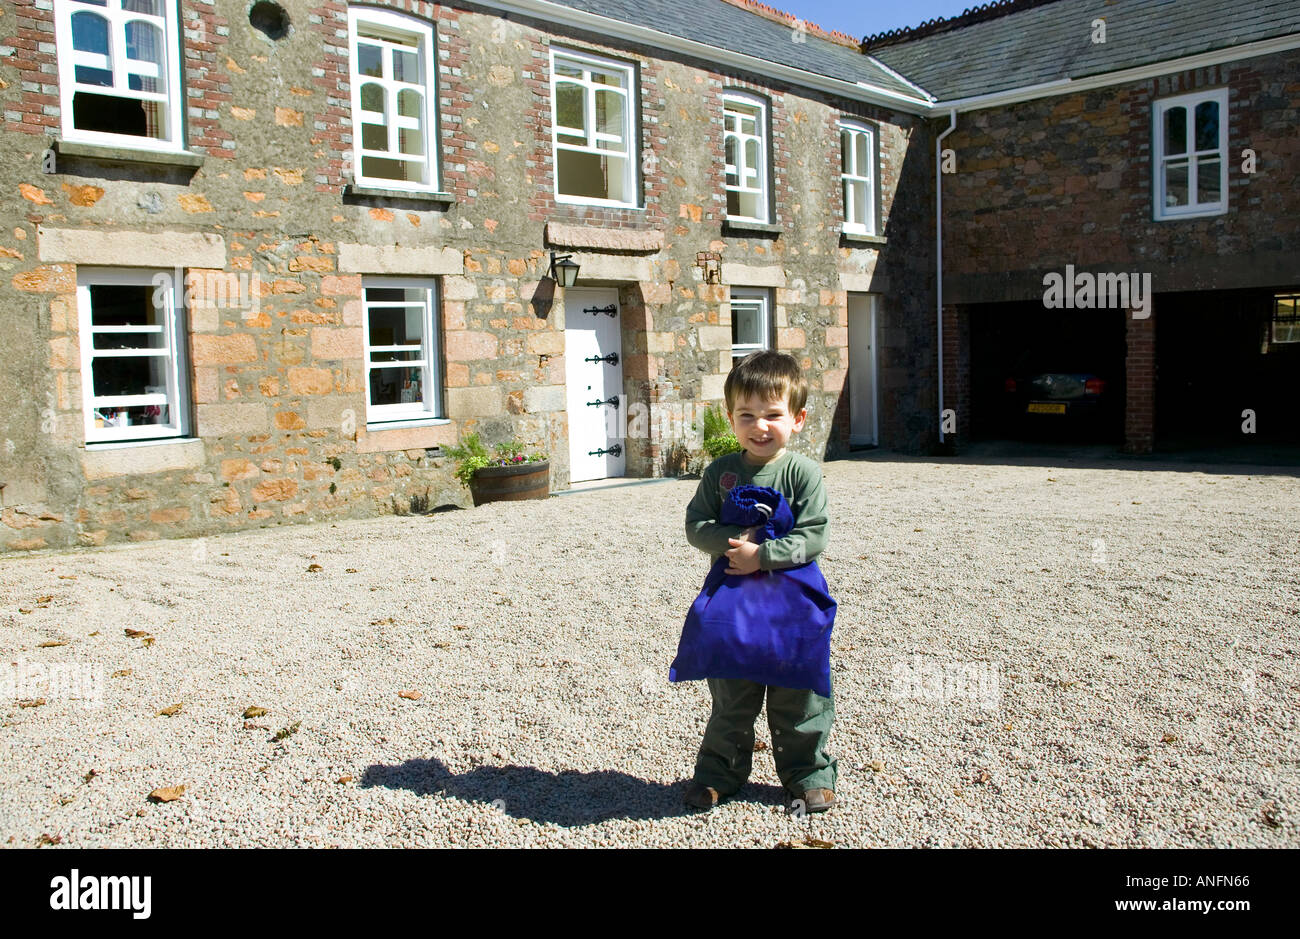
(699, 796)
(812, 800)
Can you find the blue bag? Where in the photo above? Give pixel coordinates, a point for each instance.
(770, 627)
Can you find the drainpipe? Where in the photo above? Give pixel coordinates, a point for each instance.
(938, 248)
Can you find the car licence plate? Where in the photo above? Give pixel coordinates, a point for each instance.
(1040, 407)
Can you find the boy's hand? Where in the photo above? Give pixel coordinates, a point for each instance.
(742, 558)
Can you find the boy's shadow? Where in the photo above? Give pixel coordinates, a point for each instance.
(569, 798)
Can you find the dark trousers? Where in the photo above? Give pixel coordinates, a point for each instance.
(800, 722)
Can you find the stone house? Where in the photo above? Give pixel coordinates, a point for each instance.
(263, 261)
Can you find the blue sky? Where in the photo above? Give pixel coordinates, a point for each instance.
(873, 16)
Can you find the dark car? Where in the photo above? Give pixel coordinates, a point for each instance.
(1075, 402)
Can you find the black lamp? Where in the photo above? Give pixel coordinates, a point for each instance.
(563, 271)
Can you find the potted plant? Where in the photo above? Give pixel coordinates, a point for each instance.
(507, 474)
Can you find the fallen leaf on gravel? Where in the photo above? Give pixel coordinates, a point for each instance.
(91, 775)
(45, 839)
(313, 568)
(344, 779)
(249, 725)
(981, 777)
(878, 765)
(460, 627)
(381, 622)
(809, 842)
(120, 673)
(169, 711)
(95, 633)
(21, 610)
(412, 695)
(50, 645)
(254, 711)
(1137, 503)
(1270, 814)
(135, 633)
(29, 703)
(918, 529)
(1007, 727)
(148, 641)
(67, 577)
(441, 645)
(1169, 738)
(167, 794)
(759, 745)
(44, 599)
(288, 731)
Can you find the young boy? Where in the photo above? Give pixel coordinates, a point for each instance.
(766, 394)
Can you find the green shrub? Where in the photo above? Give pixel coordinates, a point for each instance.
(719, 439)
(472, 456)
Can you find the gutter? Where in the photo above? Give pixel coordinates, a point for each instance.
(938, 249)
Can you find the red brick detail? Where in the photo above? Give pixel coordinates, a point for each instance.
(1140, 375)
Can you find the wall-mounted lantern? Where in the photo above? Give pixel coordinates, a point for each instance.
(563, 271)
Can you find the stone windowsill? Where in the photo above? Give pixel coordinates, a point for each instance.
(740, 226)
(155, 442)
(403, 425)
(595, 237)
(373, 192)
(94, 151)
(861, 239)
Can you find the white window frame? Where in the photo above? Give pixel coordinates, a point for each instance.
(172, 98)
(380, 416)
(630, 136)
(858, 174)
(745, 295)
(393, 25)
(1159, 158)
(161, 287)
(741, 170)
(1291, 322)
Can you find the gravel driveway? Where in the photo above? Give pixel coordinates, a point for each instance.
(1024, 656)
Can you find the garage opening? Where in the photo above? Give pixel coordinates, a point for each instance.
(1225, 359)
(1045, 374)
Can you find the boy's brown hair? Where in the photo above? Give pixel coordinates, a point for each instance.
(766, 375)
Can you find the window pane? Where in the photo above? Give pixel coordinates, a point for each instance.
(1207, 180)
(383, 168)
(860, 203)
(148, 7)
(749, 206)
(751, 163)
(1175, 130)
(370, 60)
(372, 98)
(406, 67)
(144, 43)
(1176, 184)
(730, 148)
(609, 116)
(582, 174)
(569, 106)
(606, 78)
(863, 164)
(410, 141)
(396, 385)
(614, 168)
(746, 325)
(90, 34)
(409, 102)
(849, 208)
(1207, 125)
(846, 147)
(374, 137)
(567, 69)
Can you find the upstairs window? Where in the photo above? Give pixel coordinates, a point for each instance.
(858, 176)
(1191, 155)
(751, 321)
(744, 119)
(403, 372)
(393, 114)
(591, 121)
(133, 369)
(119, 72)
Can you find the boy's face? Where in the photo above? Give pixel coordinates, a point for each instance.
(765, 427)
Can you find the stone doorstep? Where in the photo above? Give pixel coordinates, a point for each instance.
(613, 482)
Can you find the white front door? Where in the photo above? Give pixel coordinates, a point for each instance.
(862, 369)
(593, 364)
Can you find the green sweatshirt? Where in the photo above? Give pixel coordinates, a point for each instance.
(794, 475)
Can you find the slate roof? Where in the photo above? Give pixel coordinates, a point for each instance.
(1052, 41)
(724, 26)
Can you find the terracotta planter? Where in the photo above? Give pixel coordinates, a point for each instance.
(510, 483)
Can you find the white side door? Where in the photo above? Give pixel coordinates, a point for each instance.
(593, 364)
(862, 370)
